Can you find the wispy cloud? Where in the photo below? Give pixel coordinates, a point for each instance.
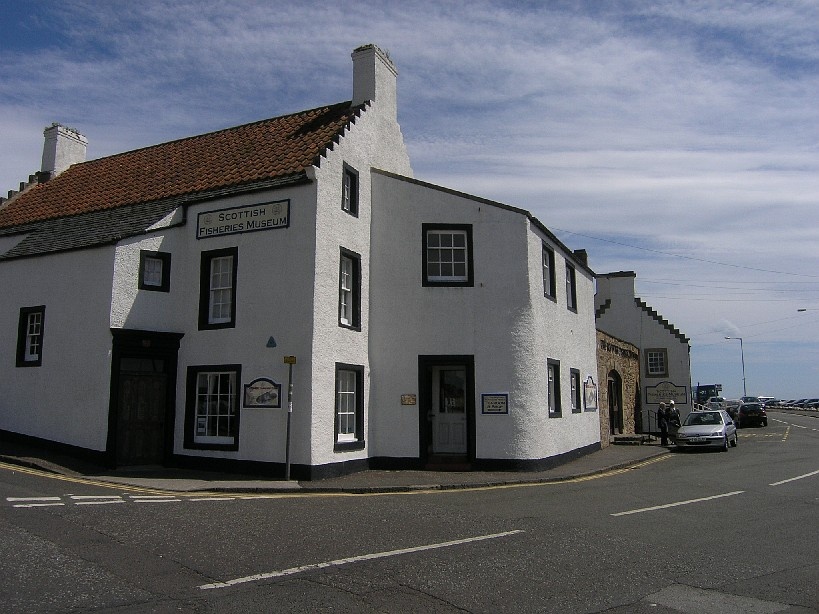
(664, 137)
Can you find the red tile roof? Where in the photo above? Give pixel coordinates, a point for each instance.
(240, 156)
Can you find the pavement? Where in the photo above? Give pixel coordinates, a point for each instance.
(610, 458)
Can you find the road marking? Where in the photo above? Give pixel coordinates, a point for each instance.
(101, 502)
(798, 477)
(678, 503)
(37, 504)
(11, 499)
(353, 559)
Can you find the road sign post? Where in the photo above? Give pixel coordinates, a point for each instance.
(289, 361)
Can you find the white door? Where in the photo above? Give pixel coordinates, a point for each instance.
(449, 410)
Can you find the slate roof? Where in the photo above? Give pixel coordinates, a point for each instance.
(253, 156)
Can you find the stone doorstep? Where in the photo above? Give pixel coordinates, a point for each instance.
(628, 440)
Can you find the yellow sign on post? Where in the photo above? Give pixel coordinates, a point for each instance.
(289, 360)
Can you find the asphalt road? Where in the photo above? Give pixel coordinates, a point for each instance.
(689, 532)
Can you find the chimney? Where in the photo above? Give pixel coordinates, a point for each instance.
(374, 79)
(619, 285)
(63, 147)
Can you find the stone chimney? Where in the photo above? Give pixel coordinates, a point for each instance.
(375, 79)
(63, 147)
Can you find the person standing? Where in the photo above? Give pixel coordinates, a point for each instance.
(673, 420)
(662, 423)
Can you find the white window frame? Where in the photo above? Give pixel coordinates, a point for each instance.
(215, 394)
(548, 264)
(553, 377)
(447, 255)
(346, 405)
(30, 335)
(656, 362)
(217, 297)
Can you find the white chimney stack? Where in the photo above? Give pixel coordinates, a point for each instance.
(63, 147)
(375, 79)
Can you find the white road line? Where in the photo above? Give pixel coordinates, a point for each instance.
(667, 505)
(38, 504)
(212, 499)
(101, 502)
(93, 497)
(12, 499)
(353, 559)
(798, 477)
(157, 501)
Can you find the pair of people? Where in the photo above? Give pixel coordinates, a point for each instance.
(668, 420)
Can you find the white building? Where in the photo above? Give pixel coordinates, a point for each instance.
(665, 353)
(151, 298)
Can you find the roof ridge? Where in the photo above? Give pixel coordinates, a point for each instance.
(193, 137)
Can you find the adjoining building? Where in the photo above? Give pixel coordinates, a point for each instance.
(665, 353)
(157, 303)
(618, 371)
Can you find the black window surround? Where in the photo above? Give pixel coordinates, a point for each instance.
(553, 370)
(30, 334)
(548, 263)
(454, 280)
(349, 190)
(574, 377)
(190, 406)
(349, 290)
(206, 321)
(145, 271)
(571, 287)
(355, 440)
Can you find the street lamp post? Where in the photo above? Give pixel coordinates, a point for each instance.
(742, 354)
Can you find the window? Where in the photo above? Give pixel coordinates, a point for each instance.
(211, 414)
(447, 255)
(30, 336)
(574, 377)
(548, 272)
(349, 407)
(553, 368)
(349, 290)
(217, 289)
(154, 271)
(657, 362)
(349, 192)
(571, 288)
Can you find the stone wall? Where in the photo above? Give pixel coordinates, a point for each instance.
(614, 355)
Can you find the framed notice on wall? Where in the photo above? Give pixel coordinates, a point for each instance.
(589, 394)
(495, 403)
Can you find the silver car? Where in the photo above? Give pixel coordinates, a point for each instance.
(702, 429)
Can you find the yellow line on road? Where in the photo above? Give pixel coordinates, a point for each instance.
(303, 495)
(78, 480)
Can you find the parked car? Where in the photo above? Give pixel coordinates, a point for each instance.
(703, 429)
(752, 413)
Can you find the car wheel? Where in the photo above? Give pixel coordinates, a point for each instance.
(765, 423)
(736, 440)
(725, 444)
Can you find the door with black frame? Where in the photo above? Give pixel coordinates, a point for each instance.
(447, 407)
(143, 393)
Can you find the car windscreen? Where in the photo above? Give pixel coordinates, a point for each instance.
(703, 418)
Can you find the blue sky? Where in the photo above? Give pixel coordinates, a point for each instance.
(676, 139)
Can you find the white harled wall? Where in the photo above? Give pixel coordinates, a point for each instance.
(66, 398)
(504, 321)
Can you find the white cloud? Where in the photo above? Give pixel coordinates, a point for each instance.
(689, 128)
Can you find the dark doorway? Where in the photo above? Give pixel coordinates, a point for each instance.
(446, 409)
(143, 393)
(615, 396)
